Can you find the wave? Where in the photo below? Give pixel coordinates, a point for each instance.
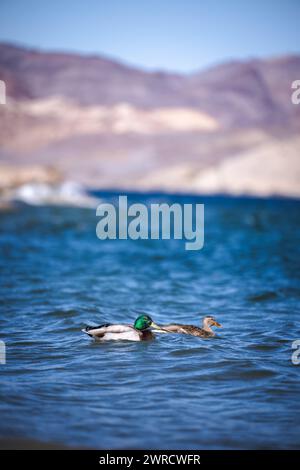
(67, 193)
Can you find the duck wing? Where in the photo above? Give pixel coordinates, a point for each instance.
(176, 328)
(110, 331)
(98, 331)
(186, 329)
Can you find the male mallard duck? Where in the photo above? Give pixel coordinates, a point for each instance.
(204, 332)
(140, 331)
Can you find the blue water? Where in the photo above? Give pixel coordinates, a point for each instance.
(237, 390)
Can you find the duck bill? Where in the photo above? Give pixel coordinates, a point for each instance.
(158, 328)
(218, 325)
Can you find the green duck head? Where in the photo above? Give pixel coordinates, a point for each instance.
(143, 322)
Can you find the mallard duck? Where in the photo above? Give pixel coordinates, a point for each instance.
(140, 331)
(205, 332)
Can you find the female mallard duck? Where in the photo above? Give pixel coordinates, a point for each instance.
(140, 331)
(204, 332)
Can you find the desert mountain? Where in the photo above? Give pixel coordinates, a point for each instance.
(232, 128)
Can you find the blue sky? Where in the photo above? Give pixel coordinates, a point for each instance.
(167, 34)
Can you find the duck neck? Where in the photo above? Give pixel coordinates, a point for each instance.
(206, 327)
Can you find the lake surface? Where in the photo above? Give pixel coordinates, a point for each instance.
(235, 391)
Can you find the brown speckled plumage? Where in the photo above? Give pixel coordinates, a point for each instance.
(188, 330)
(204, 332)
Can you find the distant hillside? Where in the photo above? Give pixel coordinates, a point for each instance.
(110, 125)
(238, 93)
